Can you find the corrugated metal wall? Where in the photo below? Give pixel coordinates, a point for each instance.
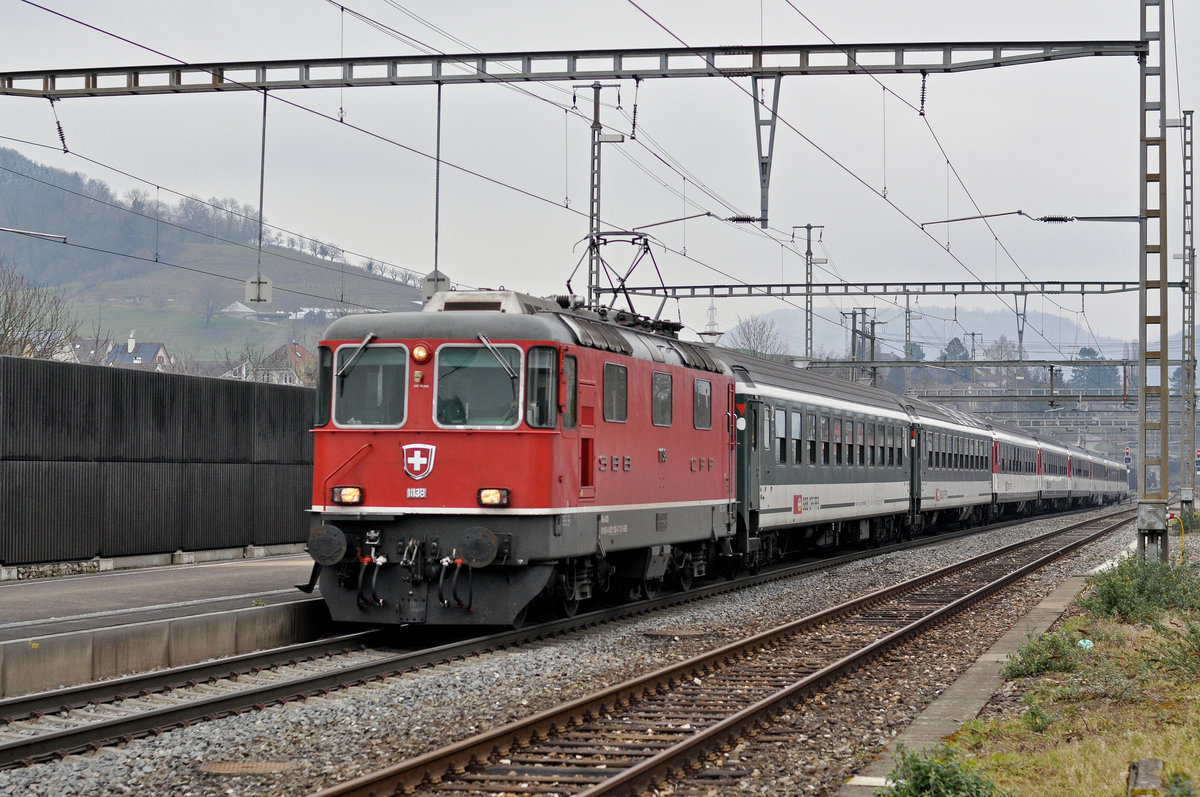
(113, 462)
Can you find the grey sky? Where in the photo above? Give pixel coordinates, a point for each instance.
(1054, 138)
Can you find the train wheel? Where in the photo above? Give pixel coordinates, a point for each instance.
(568, 607)
(519, 621)
(650, 588)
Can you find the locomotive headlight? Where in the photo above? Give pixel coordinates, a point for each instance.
(420, 354)
(493, 496)
(347, 495)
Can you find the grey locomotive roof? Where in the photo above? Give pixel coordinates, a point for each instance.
(459, 324)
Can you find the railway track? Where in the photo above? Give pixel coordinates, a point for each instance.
(77, 719)
(627, 738)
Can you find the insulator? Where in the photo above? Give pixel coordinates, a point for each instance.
(1056, 219)
(62, 136)
(923, 76)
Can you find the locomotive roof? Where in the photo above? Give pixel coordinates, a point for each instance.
(506, 315)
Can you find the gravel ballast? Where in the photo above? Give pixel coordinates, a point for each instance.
(305, 746)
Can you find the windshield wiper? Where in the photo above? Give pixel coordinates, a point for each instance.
(503, 363)
(344, 371)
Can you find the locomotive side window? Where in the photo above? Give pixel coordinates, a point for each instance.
(570, 412)
(324, 385)
(541, 388)
(478, 385)
(781, 429)
(702, 404)
(661, 398)
(369, 385)
(616, 393)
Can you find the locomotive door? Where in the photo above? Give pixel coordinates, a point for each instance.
(587, 440)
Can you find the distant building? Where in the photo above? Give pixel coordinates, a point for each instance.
(291, 364)
(148, 356)
(88, 351)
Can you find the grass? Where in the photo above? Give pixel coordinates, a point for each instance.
(1088, 711)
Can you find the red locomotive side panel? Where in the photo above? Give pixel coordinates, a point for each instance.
(647, 449)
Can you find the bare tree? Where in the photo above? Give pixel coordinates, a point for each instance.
(209, 304)
(34, 320)
(758, 336)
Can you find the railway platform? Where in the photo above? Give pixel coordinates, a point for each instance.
(61, 631)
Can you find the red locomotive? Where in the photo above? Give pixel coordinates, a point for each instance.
(498, 448)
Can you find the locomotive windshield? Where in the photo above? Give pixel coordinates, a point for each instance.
(478, 385)
(369, 385)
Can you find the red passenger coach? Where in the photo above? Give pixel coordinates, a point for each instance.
(497, 449)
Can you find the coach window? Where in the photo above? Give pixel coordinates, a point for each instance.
(369, 385)
(570, 411)
(660, 400)
(837, 441)
(616, 387)
(781, 429)
(702, 404)
(862, 442)
(871, 443)
(824, 440)
(889, 442)
(798, 437)
(901, 437)
(812, 438)
(541, 388)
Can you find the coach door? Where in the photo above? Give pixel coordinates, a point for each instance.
(916, 461)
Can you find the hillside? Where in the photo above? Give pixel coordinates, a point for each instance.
(167, 271)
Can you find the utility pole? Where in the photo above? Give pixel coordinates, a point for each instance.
(1153, 473)
(808, 279)
(598, 138)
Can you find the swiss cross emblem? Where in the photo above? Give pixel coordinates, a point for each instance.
(418, 460)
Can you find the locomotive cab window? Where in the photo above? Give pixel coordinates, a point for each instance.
(324, 385)
(616, 393)
(369, 384)
(478, 385)
(541, 388)
(660, 399)
(702, 404)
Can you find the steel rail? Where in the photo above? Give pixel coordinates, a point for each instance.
(433, 766)
(61, 743)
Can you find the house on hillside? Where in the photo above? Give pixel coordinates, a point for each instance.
(291, 364)
(88, 351)
(147, 356)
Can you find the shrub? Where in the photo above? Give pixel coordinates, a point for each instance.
(1180, 650)
(1056, 652)
(1140, 591)
(936, 773)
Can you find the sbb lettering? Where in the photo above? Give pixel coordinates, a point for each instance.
(703, 463)
(614, 463)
